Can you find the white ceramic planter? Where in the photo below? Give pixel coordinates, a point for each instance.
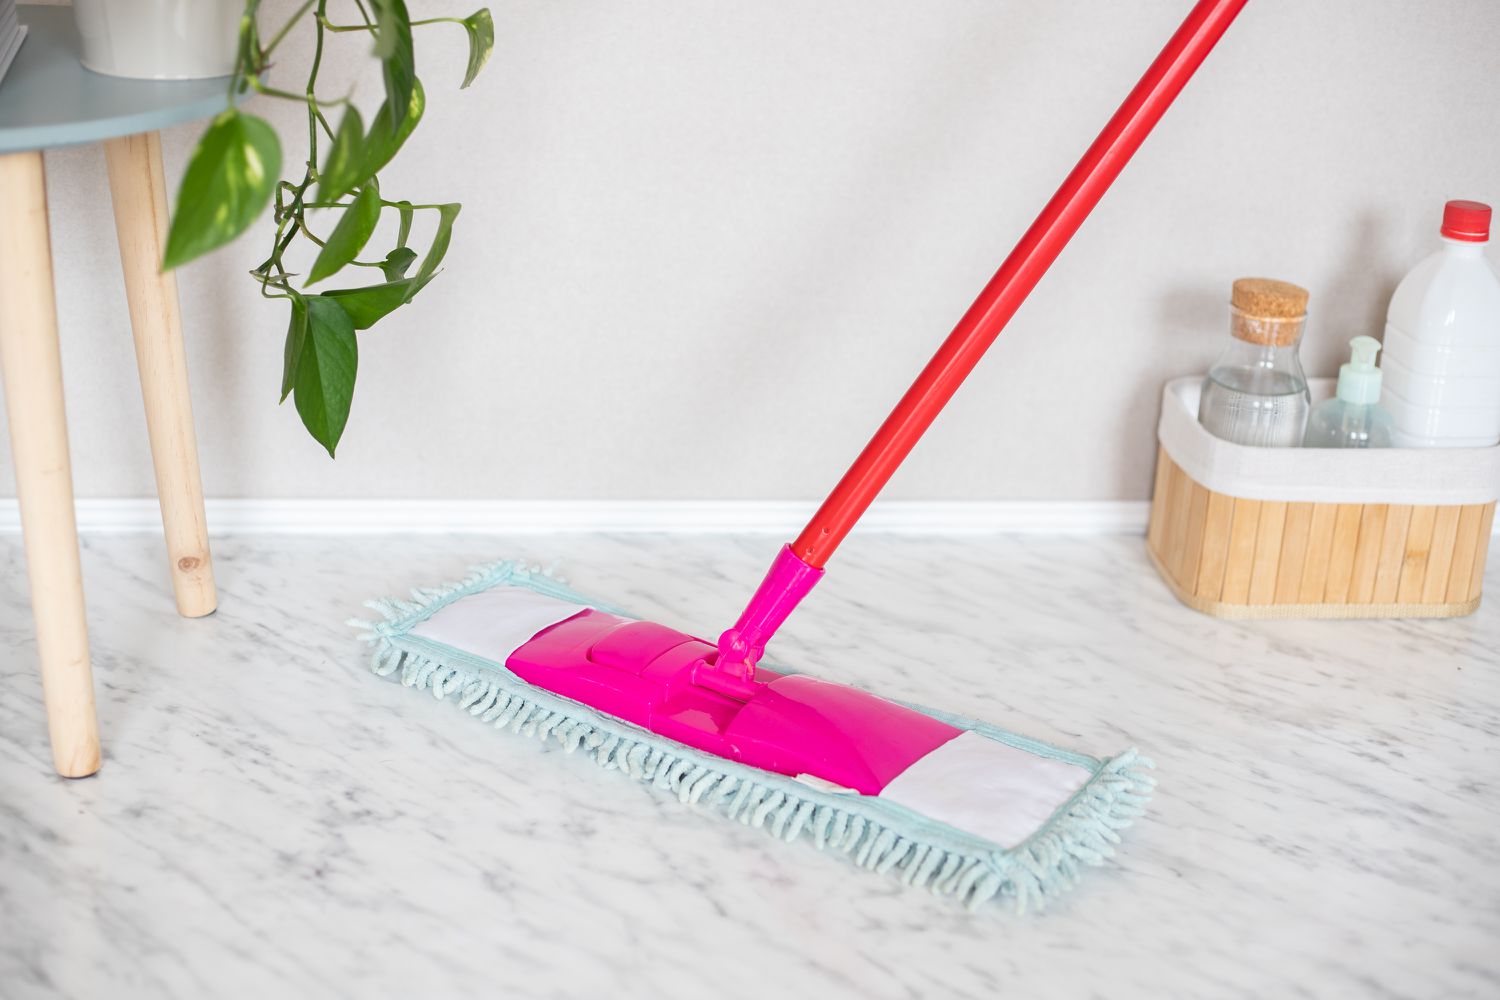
(159, 39)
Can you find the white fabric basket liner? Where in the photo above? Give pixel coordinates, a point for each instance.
(1437, 476)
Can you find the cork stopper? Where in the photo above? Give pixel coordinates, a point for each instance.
(1267, 311)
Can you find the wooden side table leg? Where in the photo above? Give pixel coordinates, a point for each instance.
(138, 187)
(44, 477)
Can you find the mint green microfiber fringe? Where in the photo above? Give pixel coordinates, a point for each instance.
(871, 832)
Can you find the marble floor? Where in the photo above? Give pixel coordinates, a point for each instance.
(274, 821)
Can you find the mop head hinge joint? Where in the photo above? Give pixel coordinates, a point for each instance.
(731, 670)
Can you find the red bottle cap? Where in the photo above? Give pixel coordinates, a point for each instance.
(1466, 220)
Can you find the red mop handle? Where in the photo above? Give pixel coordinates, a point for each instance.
(731, 670)
(1016, 278)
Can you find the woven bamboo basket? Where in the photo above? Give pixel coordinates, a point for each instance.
(1241, 532)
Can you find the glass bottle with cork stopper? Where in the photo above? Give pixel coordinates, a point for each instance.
(1256, 393)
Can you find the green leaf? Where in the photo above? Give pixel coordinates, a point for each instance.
(385, 37)
(481, 29)
(393, 46)
(296, 337)
(228, 182)
(440, 241)
(368, 305)
(405, 210)
(349, 237)
(397, 262)
(384, 140)
(324, 380)
(357, 158)
(341, 172)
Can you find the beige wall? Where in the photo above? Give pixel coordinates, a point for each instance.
(705, 246)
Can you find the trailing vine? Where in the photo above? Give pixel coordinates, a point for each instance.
(234, 173)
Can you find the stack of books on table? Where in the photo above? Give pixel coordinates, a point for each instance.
(12, 32)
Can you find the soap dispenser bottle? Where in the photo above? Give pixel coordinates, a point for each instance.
(1353, 418)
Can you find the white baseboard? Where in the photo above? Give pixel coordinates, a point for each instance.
(347, 517)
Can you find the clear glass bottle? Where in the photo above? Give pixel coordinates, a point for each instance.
(1353, 418)
(1256, 393)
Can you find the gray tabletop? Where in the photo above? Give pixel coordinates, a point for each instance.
(48, 99)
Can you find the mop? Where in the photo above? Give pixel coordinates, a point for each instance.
(965, 808)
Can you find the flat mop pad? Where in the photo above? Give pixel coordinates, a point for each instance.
(986, 814)
(962, 807)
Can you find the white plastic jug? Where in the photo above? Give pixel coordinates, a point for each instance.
(1442, 341)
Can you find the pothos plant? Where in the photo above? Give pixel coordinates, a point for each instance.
(234, 173)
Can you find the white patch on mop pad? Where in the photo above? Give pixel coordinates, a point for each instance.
(986, 788)
(495, 623)
(824, 785)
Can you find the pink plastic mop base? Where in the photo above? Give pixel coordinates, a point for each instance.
(643, 673)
